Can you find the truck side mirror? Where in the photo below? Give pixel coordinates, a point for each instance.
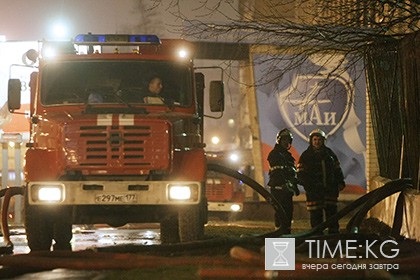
(13, 94)
(217, 96)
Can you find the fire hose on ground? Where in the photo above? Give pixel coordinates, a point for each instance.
(117, 255)
(8, 193)
(366, 202)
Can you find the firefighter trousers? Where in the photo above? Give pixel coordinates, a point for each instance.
(285, 198)
(317, 217)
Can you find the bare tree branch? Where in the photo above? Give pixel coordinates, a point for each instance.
(302, 28)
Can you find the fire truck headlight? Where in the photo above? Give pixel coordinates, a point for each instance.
(234, 157)
(48, 193)
(183, 192)
(235, 207)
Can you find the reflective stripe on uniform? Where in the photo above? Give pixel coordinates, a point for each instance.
(282, 167)
(277, 167)
(314, 205)
(280, 188)
(330, 200)
(300, 167)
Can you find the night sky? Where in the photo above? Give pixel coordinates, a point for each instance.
(36, 19)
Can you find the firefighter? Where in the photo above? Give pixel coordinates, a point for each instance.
(155, 86)
(155, 92)
(283, 181)
(320, 174)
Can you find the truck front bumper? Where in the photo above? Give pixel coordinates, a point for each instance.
(225, 206)
(114, 192)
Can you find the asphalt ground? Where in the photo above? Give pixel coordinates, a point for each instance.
(133, 252)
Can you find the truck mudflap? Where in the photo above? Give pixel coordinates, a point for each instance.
(114, 193)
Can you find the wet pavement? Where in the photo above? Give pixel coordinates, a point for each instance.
(86, 238)
(90, 237)
(94, 237)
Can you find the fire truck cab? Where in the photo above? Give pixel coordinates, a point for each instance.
(103, 149)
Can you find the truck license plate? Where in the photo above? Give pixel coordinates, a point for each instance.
(115, 198)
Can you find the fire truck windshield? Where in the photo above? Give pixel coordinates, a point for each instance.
(116, 81)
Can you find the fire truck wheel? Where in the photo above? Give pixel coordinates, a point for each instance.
(169, 230)
(191, 226)
(39, 229)
(63, 231)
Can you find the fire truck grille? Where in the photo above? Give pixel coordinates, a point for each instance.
(119, 146)
(218, 191)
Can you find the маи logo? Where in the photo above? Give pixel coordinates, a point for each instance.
(321, 100)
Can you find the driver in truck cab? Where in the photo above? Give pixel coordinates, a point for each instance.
(151, 94)
(155, 92)
(154, 89)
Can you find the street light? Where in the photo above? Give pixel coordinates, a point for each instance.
(59, 30)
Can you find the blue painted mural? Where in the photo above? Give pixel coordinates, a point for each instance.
(326, 92)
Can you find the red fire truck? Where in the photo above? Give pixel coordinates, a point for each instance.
(101, 151)
(225, 194)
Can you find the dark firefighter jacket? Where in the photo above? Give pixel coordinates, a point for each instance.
(320, 174)
(282, 169)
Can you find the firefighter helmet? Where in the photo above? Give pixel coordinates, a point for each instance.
(284, 133)
(317, 132)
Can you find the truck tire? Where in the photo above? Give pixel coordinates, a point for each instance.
(169, 230)
(39, 230)
(43, 225)
(191, 224)
(62, 230)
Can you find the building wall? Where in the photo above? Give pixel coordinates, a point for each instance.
(372, 166)
(385, 210)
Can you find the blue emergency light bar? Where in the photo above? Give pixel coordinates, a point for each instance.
(116, 39)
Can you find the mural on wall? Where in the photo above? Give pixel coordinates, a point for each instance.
(314, 96)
